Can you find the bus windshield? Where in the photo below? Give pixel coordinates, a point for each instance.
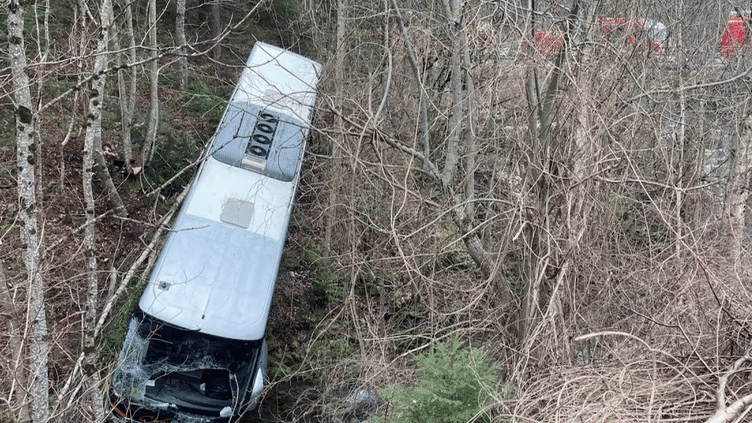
(188, 370)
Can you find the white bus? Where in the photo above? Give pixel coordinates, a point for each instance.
(195, 349)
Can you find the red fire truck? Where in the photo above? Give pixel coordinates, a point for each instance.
(736, 34)
(646, 32)
(651, 34)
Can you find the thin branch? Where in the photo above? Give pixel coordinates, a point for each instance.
(79, 229)
(381, 135)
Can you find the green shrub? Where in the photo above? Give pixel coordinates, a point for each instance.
(204, 101)
(620, 207)
(329, 285)
(6, 416)
(110, 120)
(169, 78)
(453, 387)
(171, 155)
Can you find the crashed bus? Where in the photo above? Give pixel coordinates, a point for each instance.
(195, 350)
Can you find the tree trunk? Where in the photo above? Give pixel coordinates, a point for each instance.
(103, 174)
(216, 27)
(584, 157)
(472, 125)
(180, 35)
(683, 176)
(100, 166)
(147, 153)
(738, 193)
(472, 239)
(38, 383)
(541, 248)
(45, 53)
(339, 137)
(453, 13)
(424, 126)
(92, 160)
(126, 96)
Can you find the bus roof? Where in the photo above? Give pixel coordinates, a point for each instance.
(217, 270)
(279, 80)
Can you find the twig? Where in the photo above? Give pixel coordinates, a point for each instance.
(79, 229)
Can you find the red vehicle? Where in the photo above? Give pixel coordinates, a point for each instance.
(736, 34)
(652, 34)
(548, 42)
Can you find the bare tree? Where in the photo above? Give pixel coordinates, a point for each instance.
(454, 16)
(147, 151)
(92, 147)
(543, 157)
(338, 142)
(31, 238)
(126, 95)
(180, 36)
(100, 166)
(413, 60)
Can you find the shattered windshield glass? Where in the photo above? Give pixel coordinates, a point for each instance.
(166, 368)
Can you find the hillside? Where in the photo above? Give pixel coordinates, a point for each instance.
(530, 215)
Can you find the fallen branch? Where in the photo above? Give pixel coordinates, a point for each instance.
(727, 414)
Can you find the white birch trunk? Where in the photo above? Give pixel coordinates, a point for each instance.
(91, 140)
(180, 35)
(147, 153)
(128, 96)
(125, 100)
(38, 382)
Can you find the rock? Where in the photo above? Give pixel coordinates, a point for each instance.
(364, 400)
